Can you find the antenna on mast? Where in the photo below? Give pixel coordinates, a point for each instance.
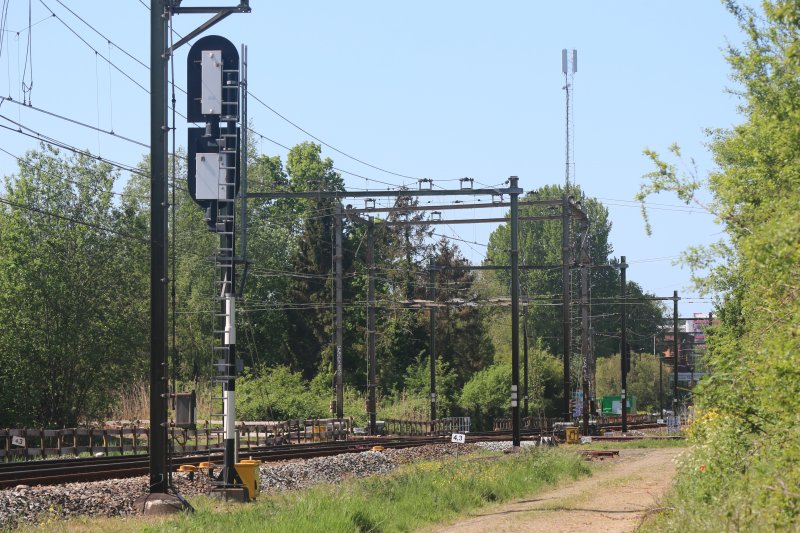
(569, 66)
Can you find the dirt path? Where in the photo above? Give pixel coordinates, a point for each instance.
(614, 499)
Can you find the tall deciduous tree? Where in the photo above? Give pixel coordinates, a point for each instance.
(540, 243)
(310, 315)
(74, 319)
(749, 437)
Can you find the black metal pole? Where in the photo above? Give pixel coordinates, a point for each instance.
(623, 346)
(566, 280)
(585, 261)
(660, 387)
(525, 411)
(675, 333)
(158, 247)
(514, 193)
(227, 312)
(432, 273)
(371, 326)
(339, 349)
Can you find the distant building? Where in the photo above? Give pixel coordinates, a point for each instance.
(691, 347)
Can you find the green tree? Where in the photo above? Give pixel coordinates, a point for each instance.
(462, 339)
(309, 315)
(748, 433)
(75, 324)
(540, 243)
(643, 380)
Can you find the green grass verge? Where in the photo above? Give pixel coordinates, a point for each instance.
(410, 497)
(634, 444)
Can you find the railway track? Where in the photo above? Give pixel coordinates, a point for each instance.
(57, 471)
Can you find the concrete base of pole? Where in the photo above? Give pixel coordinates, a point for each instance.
(230, 494)
(513, 449)
(158, 504)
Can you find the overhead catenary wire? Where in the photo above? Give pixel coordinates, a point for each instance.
(73, 121)
(61, 144)
(24, 163)
(35, 209)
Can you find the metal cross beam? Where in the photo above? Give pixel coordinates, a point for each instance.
(464, 221)
(445, 207)
(313, 195)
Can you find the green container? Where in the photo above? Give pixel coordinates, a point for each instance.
(612, 405)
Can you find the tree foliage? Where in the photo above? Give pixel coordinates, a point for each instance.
(74, 323)
(749, 426)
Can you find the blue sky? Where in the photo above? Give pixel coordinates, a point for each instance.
(438, 90)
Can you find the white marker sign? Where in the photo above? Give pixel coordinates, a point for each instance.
(18, 441)
(459, 438)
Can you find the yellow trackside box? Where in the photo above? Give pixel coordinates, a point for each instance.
(573, 435)
(251, 477)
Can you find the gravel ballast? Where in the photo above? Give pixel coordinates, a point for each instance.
(116, 497)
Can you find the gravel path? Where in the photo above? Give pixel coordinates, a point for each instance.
(613, 500)
(116, 497)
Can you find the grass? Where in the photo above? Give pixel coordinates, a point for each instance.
(633, 444)
(411, 497)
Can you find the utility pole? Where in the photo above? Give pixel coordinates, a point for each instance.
(525, 411)
(339, 363)
(371, 407)
(514, 194)
(623, 351)
(660, 380)
(585, 261)
(566, 277)
(675, 345)
(432, 274)
(159, 205)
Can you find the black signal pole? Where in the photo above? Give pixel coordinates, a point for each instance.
(623, 343)
(525, 359)
(566, 280)
(432, 273)
(675, 333)
(371, 380)
(339, 347)
(514, 193)
(159, 18)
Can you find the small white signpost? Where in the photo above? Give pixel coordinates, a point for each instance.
(458, 438)
(18, 441)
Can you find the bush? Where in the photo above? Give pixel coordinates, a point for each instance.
(280, 394)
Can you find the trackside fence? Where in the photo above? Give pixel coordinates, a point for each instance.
(26, 444)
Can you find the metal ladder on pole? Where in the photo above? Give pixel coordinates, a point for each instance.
(225, 367)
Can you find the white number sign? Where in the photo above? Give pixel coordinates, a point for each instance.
(460, 438)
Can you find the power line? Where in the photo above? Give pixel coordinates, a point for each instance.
(22, 162)
(74, 121)
(28, 207)
(260, 101)
(100, 34)
(55, 142)
(93, 49)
